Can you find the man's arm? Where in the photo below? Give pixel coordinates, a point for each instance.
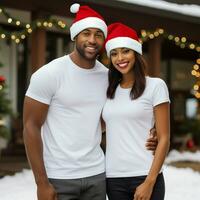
(33, 118)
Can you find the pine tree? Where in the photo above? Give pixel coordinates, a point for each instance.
(5, 108)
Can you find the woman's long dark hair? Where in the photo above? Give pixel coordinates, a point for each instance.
(115, 77)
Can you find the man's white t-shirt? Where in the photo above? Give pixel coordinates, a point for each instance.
(72, 132)
(128, 124)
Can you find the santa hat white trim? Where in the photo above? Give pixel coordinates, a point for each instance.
(89, 22)
(120, 42)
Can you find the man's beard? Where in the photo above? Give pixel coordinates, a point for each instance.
(83, 54)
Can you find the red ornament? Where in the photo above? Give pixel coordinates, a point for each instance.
(2, 79)
(190, 143)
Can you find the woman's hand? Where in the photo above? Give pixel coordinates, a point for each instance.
(144, 191)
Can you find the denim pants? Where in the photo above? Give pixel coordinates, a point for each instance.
(124, 188)
(88, 188)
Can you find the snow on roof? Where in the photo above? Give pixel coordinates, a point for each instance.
(184, 9)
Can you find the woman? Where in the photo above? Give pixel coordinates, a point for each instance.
(135, 103)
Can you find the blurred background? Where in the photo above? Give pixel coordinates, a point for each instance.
(33, 33)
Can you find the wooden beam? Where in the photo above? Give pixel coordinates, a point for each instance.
(38, 44)
(154, 57)
(38, 49)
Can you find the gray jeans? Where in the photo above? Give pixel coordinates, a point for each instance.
(89, 188)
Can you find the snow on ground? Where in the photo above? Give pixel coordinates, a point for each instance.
(183, 156)
(185, 9)
(21, 186)
(181, 184)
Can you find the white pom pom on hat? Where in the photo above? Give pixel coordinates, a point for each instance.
(74, 8)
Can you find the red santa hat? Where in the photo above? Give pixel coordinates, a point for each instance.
(86, 18)
(119, 36)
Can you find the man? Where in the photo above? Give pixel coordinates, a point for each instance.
(62, 109)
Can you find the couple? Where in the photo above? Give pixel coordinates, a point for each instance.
(63, 106)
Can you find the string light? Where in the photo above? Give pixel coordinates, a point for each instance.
(18, 23)
(156, 33)
(13, 37)
(176, 39)
(151, 36)
(182, 46)
(17, 40)
(192, 46)
(3, 36)
(39, 24)
(59, 23)
(50, 24)
(23, 37)
(195, 67)
(193, 72)
(197, 95)
(198, 49)
(27, 28)
(182, 42)
(183, 39)
(10, 20)
(161, 31)
(143, 33)
(196, 72)
(30, 30)
(45, 24)
(170, 37)
(196, 87)
(63, 25)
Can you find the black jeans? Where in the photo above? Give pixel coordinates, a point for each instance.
(123, 188)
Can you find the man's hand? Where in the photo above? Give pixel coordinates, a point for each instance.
(152, 141)
(46, 191)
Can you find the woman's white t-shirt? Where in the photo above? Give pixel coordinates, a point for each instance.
(128, 124)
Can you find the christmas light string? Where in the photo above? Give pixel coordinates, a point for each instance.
(146, 35)
(27, 28)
